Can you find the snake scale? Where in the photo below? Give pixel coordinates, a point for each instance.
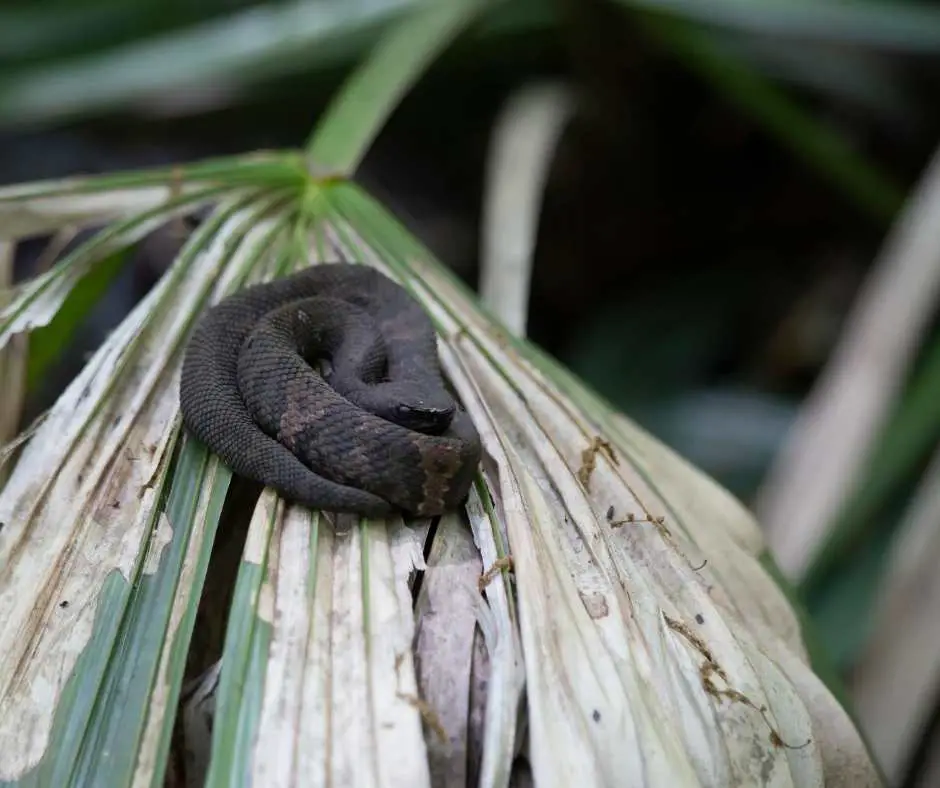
(377, 431)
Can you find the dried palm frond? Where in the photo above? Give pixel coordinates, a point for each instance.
(613, 620)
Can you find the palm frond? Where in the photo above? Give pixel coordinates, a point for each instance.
(623, 594)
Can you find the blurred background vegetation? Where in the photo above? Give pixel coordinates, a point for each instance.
(724, 187)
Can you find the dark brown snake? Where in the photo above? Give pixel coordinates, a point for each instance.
(377, 432)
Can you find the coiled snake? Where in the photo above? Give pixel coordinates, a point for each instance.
(376, 432)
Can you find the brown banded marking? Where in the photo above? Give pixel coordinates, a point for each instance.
(441, 465)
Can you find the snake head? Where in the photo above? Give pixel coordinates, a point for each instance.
(415, 407)
(422, 417)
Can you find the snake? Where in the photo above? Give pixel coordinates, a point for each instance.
(326, 386)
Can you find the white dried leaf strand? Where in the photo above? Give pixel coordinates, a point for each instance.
(26, 212)
(80, 501)
(38, 301)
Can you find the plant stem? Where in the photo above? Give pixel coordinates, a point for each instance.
(361, 108)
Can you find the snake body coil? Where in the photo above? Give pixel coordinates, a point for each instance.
(378, 432)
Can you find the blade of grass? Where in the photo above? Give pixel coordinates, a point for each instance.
(362, 106)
